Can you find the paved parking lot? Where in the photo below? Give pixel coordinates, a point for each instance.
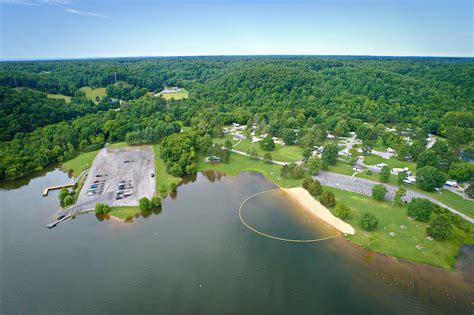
(364, 186)
(132, 166)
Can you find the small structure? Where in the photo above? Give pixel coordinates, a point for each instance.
(235, 124)
(451, 183)
(212, 159)
(410, 180)
(429, 238)
(392, 234)
(419, 246)
(390, 150)
(381, 165)
(330, 136)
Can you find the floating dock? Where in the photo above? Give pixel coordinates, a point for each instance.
(47, 189)
(53, 224)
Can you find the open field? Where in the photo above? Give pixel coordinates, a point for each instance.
(402, 245)
(161, 177)
(124, 212)
(93, 93)
(80, 163)
(66, 98)
(284, 153)
(176, 96)
(239, 163)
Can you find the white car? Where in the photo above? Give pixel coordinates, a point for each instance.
(90, 193)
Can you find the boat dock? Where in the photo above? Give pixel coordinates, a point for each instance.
(53, 224)
(47, 189)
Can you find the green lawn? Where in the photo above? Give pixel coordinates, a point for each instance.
(239, 163)
(80, 163)
(93, 93)
(284, 153)
(66, 98)
(176, 96)
(124, 213)
(161, 177)
(379, 146)
(438, 253)
(392, 162)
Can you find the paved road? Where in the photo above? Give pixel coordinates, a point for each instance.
(364, 186)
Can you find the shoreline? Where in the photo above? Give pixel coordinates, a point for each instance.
(304, 199)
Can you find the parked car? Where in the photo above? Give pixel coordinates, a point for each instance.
(152, 174)
(61, 216)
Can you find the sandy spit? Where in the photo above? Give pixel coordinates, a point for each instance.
(303, 197)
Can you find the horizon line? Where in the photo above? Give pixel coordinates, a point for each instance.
(13, 59)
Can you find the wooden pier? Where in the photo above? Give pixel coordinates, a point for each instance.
(47, 189)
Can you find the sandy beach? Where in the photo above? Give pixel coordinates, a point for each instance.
(303, 197)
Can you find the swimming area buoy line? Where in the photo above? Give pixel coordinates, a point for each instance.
(273, 236)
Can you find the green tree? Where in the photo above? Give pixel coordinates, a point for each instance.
(173, 186)
(399, 195)
(289, 136)
(328, 199)
(314, 164)
(267, 157)
(163, 191)
(252, 152)
(440, 228)
(101, 208)
(353, 155)
(470, 190)
(330, 153)
(428, 178)
(379, 191)
(144, 204)
(461, 171)
(368, 221)
(68, 200)
(307, 153)
(155, 202)
(267, 143)
(315, 188)
(385, 174)
(428, 158)
(228, 144)
(401, 177)
(342, 211)
(421, 209)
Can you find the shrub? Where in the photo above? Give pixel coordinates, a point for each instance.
(368, 221)
(379, 191)
(101, 208)
(327, 199)
(385, 174)
(315, 188)
(173, 186)
(307, 182)
(421, 209)
(68, 200)
(155, 202)
(267, 144)
(342, 211)
(267, 157)
(144, 204)
(163, 191)
(440, 228)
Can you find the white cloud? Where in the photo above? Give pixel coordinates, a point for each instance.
(85, 13)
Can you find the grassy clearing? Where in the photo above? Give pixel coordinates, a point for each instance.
(176, 96)
(239, 163)
(161, 177)
(392, 162)
(93, 93)
(124, 213)
(402, 245)
(379, 146)
(80, 163)
(66, 98)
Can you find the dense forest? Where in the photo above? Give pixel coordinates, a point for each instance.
(279, 94)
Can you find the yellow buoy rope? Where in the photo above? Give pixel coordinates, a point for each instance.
(272, 236)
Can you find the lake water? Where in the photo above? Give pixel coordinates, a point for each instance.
(195, 256)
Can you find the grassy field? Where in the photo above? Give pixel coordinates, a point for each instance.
(80, 163)
(239, 163)
(392, 162)
(124, 213)
(161, 177)
(93, 93)
(66, 98)
(402, 245)
(176, 96)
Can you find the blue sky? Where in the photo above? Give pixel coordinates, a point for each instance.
(75, 28)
